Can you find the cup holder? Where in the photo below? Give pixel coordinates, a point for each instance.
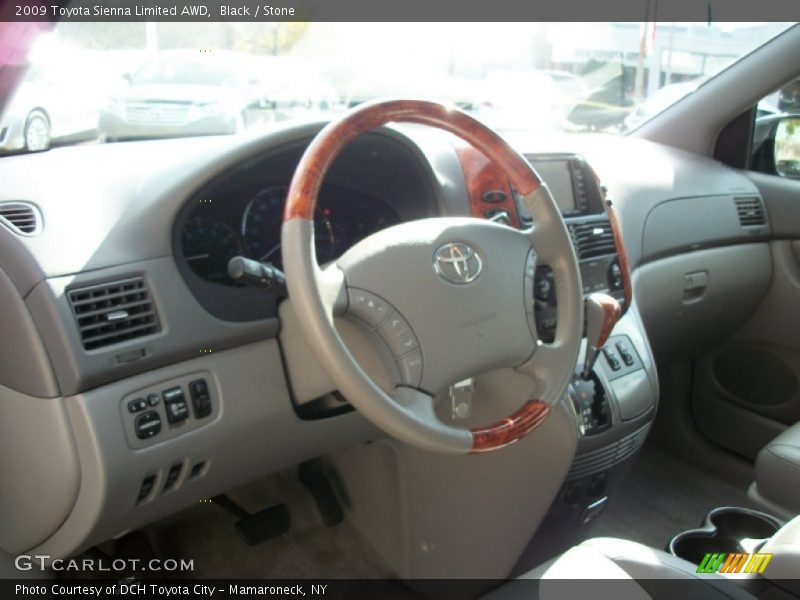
(728, 529)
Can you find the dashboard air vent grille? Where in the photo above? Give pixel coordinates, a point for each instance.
(592, 239)
(21, 217)
(113, 312)
(751, 212)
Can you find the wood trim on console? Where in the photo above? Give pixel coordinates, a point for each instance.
(482, 176)
(532, 414)
(624, 265)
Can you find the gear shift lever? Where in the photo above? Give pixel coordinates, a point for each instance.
(602, 313)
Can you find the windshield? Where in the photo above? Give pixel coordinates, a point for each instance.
(113, 82)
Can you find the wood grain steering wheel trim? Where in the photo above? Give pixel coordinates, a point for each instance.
(316, 160)
(307, 180)
(532, 414)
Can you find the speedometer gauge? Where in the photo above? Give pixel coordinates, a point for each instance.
(261, 228)
(207, 246)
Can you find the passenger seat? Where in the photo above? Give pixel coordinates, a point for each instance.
(777, 485)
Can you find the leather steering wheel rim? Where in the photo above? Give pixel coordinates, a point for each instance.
(319, 295)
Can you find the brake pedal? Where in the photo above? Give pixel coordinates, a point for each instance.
(312, 477)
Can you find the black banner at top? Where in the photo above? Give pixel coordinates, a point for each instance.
(398, 10)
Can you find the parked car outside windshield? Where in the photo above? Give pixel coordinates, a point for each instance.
(57, 102)
(184, 93)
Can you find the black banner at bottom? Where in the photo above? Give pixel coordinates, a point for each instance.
(336, 589)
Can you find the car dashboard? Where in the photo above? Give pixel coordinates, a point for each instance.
(166, 381)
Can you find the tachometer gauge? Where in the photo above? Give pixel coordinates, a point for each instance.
(207, 246)
(261, 228)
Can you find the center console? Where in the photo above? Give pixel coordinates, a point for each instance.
(580, 196)
(757, 550)
(613, 410)
(726, 532)
(614, 407)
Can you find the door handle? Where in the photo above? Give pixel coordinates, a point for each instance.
(694, 285)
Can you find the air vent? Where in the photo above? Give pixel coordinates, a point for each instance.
(751, 212)
(21, 217)
(114, 312)
(592, 238)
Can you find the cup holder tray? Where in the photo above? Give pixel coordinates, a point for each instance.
(728, 529)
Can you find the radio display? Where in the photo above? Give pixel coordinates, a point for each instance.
(558, 177)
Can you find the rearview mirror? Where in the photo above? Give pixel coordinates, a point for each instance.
(787, 147)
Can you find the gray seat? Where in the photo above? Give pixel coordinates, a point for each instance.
(628, 570)
(778, 474)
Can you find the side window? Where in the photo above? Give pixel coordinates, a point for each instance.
(776, 133)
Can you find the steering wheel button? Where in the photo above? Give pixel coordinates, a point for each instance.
(396, 332)
(368, 307)
(411, 368)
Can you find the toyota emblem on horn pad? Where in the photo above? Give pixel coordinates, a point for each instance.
(457, 263)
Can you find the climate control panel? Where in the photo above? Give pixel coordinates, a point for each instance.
(168, 409)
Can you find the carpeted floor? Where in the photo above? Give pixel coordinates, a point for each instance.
(310, 549)
(664, 495)
(661, 496)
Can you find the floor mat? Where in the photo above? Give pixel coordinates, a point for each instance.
(206, 533)
(662, 496)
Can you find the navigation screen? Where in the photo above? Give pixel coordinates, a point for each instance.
(557, 176)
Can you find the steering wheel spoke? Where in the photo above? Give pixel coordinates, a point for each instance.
(332, 283)
(545, 364)
(547, 232)
(416, 402)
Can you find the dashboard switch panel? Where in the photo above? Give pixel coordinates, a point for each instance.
(167, 409)
(619, 358)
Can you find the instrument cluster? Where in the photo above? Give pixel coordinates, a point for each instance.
(249, 224)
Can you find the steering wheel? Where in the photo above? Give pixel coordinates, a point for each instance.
(450, 297)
